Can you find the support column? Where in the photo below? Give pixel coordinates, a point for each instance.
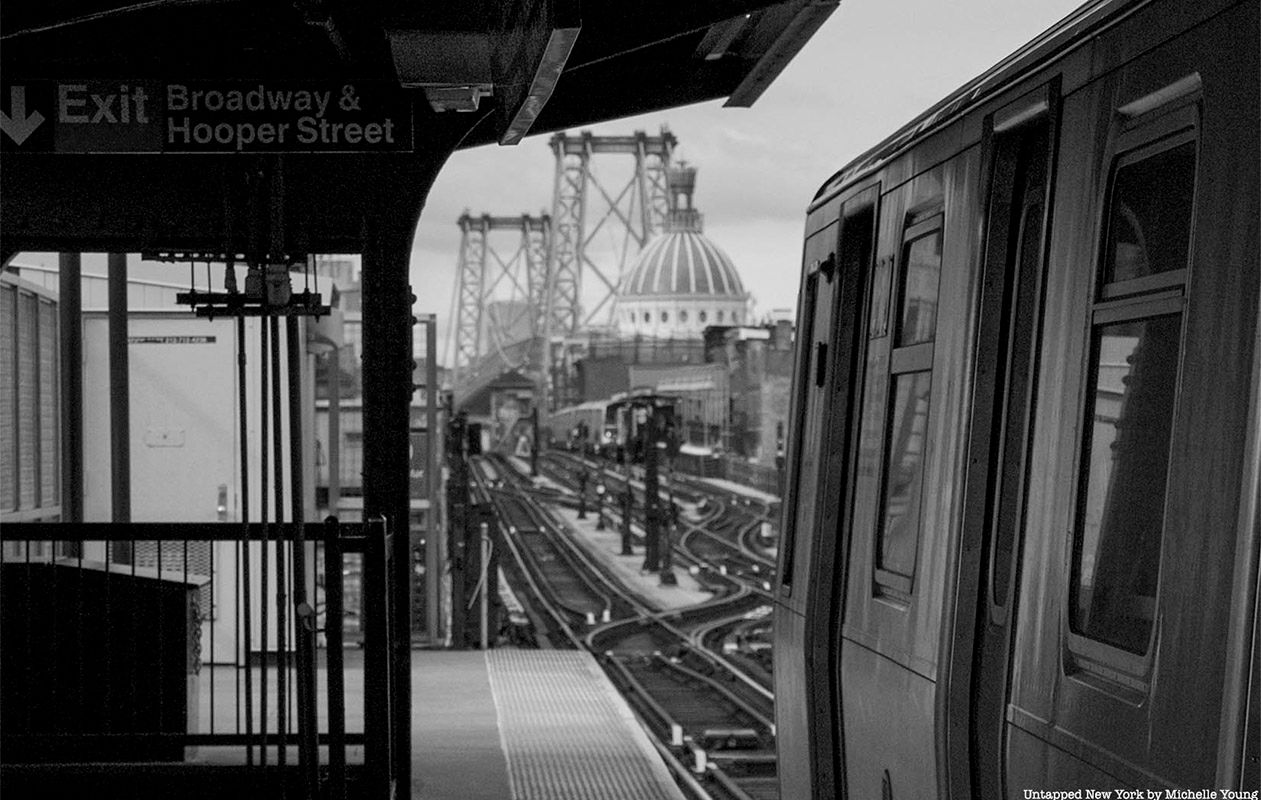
(433, 524)
(70, 309)
(335, 432)
(119, 391)
(304, 613)
(387, 391)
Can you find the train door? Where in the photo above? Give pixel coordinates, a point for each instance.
(1020, 144)
(825, 603)
(837, 259)
(796, 709)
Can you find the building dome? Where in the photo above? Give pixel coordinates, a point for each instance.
(682, 262)
(681, 283)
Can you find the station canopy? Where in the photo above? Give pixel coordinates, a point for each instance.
(177, 124)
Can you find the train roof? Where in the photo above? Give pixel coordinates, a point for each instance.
(640, 397)
(1067, 34)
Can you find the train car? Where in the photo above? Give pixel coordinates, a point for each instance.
(628, 420)
(579, 427)
(1020, 542)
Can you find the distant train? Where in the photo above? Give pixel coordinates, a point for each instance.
(581, 427)
(1021, 535)
(615, 428)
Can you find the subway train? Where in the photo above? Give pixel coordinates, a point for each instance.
(1020, 538)
(580, 427)
(609, 427)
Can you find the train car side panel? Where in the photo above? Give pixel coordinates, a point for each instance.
(1147, 382)
(1123, 650)
(793, 705)
(889, 744)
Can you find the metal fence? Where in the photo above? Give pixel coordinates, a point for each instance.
(167, 660)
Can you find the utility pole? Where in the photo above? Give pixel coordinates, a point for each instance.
(628, 500)
(670, 525)
(534, 445)
(582, 494)
(599, 509)
(652, 522)
(457, 518)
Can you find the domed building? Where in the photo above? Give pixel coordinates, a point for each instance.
(681, 282)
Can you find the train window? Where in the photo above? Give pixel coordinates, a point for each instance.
(917, 286)
(1150, 215)
(914, 313)
(1134, 366)
(703, 316)
(903, 474)
(1135, 349)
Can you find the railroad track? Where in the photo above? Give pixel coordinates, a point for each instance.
(713, 709)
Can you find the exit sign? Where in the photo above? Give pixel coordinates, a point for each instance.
(203, 117)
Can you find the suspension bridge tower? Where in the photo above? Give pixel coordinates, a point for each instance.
(602, 217)
(533, 291)
(502, 298)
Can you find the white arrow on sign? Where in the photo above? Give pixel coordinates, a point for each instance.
(19, 125)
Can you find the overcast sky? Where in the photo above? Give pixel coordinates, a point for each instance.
(873, 66)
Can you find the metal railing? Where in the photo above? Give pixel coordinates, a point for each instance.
(161, 659)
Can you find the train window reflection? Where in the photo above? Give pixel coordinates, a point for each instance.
(921, 267)
(1117, 560)
(903, 473)
(1149, 225)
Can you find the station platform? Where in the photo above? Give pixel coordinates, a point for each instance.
(506, 724)
(526, 725)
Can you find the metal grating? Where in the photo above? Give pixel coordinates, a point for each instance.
(567, 734)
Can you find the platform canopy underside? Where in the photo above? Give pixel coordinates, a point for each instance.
(468, 73)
